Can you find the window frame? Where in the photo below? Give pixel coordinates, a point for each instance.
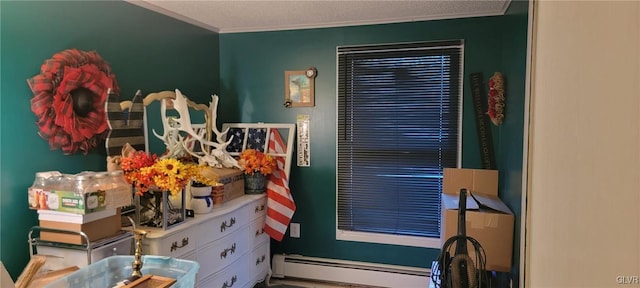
(383, 238)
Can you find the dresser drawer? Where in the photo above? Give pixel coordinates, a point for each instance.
(221, 226)
(256, 232)
(235, 275)
(259, 262)
(258, 208)
(190, 256)
(175, 245)
(223, 252)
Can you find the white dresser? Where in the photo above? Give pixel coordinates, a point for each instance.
(229, 243)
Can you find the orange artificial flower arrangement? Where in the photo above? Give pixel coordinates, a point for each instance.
(254, 161)
(146, 171)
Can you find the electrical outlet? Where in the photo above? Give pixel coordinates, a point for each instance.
(294, 230)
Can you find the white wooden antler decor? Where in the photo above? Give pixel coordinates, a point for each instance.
(221, 152)
(220, 136)
(213, 153)
(170, 136)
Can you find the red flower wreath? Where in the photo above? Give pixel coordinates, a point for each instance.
(496, 98)
(69, 97)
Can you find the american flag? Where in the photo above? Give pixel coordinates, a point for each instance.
(280, 205)
(255, 140)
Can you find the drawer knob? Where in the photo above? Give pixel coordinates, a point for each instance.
(260, 260)
(175, 246)
(233, 281)
(259, 208)
(224, 224)
(231, 250)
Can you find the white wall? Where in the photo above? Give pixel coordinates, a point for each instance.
(583, 204)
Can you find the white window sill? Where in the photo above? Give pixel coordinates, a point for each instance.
(400, 240)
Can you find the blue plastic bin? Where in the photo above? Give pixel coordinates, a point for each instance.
(109, 271)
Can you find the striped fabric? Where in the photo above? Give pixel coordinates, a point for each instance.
(125, 126)
(280, 205)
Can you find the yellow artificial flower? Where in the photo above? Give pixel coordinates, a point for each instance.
(166, 174)
(168, 166)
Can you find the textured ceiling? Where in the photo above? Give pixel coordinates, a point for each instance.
(261, 15)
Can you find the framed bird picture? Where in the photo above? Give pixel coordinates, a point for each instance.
(299, 87)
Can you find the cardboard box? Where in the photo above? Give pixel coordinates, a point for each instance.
(95, 226)
(488, 219)
(477, 181)
(67, 217)
(233, 181)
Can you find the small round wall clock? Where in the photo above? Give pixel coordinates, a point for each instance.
(311, 72)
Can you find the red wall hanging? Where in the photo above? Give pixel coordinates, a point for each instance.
(69, 100)
(496, 98)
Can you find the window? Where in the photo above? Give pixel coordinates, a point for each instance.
(398, 124)
(255, 135)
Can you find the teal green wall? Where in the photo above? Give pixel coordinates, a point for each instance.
(252, 77)
(146, 50)
(152, 52)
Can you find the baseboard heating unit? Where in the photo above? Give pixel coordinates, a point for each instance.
(349, 272)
